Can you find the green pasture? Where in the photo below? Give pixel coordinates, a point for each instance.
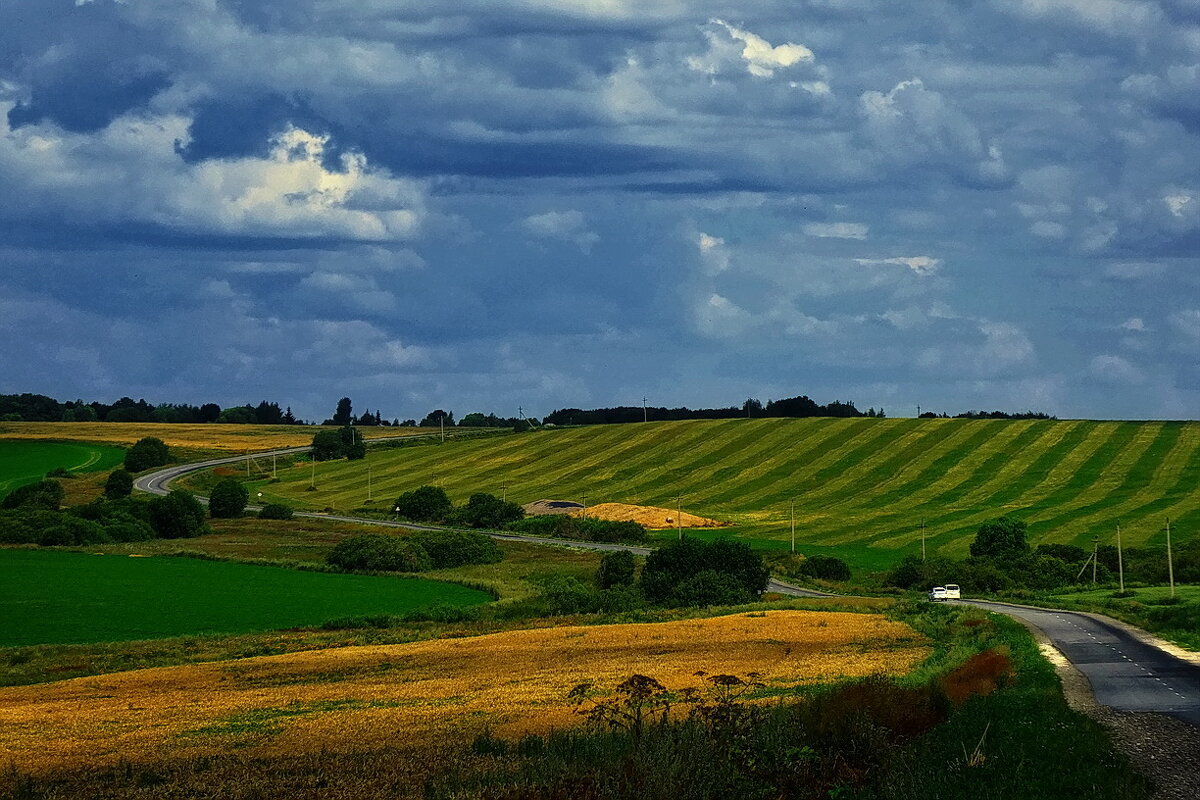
(70, 597)
(23, 462)
(862, 487)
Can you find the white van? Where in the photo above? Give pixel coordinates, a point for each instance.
(952, 592)
(937, 593)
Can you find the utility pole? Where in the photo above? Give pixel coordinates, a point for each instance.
(793, 513)
(645, 412)
(312, 478)
(247, 464)
(584, 507)
(1120, 559)
(442, 426)
(274, 466)
(1170, 562)
(1095, 553)
(503, 493)
(679, 516)
(922, 541)
(369, 497)
(918, 410)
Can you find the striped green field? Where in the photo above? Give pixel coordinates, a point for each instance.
(861, 487)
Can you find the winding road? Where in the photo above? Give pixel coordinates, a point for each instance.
(1126, 670)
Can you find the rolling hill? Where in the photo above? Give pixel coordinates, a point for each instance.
(861, 487)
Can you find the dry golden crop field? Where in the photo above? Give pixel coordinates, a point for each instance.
(421, 696)
(233, 438)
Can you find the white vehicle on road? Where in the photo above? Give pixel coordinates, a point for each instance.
(937, 593)
(952, 592)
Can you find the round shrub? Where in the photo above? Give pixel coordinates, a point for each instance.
(426, 504)
(275, 511)
(125, 528)
(566, 595)
(379, 552)
(178, 515)
(69, 531)
(710, 588)
(118, 485)
(147, 453)
(488, 511)
(673, 564)
(826, 568)
(228, 499)
(458, 548)
(46, 495)
(616, 569)
(25, 526)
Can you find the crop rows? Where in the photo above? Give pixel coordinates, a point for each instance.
(860, 485)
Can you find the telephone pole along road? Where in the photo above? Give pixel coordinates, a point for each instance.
(159, 482)
(1125, 672)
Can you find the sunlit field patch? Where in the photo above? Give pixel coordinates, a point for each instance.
(231, 438)
(413, 696)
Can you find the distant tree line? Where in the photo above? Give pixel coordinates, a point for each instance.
(40, 408)
(801, 406)
(989, 415)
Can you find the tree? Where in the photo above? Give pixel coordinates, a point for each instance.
(238, 415)
(228, 499)
(458, 548)
(673, 564)
(379, 552)
(44, 495)
(210, 412)
(146, 454)
(275, 511)
(426, 504)
(327, 445)
(437, 418)
(710, 588)
(178, 515)
(119, 484)
(343, 415)
(826, 568)
(488, 511)
(616, 569)
(1002, 538)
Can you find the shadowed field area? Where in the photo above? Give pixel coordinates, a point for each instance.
(231, 438)
(24, 462)
(861, 486)
(72, 597)
(413, 696)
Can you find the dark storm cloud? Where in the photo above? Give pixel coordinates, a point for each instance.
(534, 202)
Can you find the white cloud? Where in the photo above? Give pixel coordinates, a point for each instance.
(1115, 369)
(132, 171)
(356, 291)
(920, 265)
(1045, 229)
(567, 226)
(1177, 203)
(760, 57)
(1118, 17)
(1186, 323)
(836, 230)
(713, 253)
(1133, 324)
(719, 317)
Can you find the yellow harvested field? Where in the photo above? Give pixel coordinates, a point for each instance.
(649, 516)
(421, 695)
(234, 438)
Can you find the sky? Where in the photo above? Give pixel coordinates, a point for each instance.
(482, 205)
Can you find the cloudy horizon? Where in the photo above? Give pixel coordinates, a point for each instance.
(484, 205)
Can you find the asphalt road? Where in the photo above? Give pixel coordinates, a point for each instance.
(159, 482)
(1124, 672)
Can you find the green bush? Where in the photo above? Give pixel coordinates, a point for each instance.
(616, 569)
(458, 548)
(563, 526)
(178, 515)
(69, 531)
(710, 588)
(563, 594)
(488, 511)
(275, 511)
(118, 485)
(426, 504)
(379, 552)
(25, 526)
(46, 495)
(146, 454)
(228, 499)
(826, 568)
(677, 562)
(125, 528)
